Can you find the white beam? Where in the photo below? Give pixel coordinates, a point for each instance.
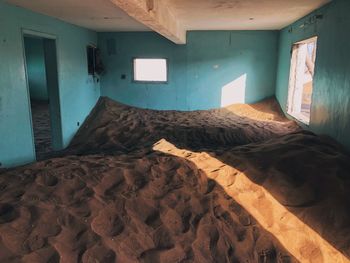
(156, 15)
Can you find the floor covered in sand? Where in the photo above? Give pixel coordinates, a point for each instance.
(239, 184)
(41, 128)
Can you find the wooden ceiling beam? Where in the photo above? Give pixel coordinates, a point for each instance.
(156, 15)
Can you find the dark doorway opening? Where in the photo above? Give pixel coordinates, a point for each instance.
(42, 77)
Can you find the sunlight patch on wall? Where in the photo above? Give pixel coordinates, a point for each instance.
(234, 92)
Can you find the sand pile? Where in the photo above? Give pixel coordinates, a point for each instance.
(116, 127)
(151, 186)
(296, 187)
(128, 208)
(41, 128)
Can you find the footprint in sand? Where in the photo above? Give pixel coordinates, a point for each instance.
(99, 253)
(7, 213)
(107, 224)
(43, 255)
(46, 179)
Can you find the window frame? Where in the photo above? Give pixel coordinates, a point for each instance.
(149, 81)
(292, 74)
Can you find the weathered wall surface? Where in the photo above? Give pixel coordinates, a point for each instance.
(330, 112)
(205, 73)
(77, 91)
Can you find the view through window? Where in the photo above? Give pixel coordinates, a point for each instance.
(301, 79)
(150, 70)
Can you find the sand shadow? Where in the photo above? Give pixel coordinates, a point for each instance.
(304, 205)
(306, 174)
(141, 208)
(303, 177)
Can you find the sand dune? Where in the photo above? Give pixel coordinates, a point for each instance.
(116, 127)
(41, 128)
(228, 185)
(304, 205)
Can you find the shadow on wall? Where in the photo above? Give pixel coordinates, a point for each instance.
(234, 92)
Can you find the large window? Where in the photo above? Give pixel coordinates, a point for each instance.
(301, 79)
(150, 70)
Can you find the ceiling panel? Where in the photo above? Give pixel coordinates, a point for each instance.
(98, 15)
(103, 15)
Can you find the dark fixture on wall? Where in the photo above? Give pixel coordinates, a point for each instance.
(95, 65)
(311, 20)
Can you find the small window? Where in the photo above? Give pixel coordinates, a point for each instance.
(301, 79)
(150, 70)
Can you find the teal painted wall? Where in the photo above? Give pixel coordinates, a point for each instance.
(77, 91)
(35, 60)
(330, 112)
(198, 71)
(143, 44)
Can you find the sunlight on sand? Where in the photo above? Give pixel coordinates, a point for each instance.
(269, 110)
(299, 239)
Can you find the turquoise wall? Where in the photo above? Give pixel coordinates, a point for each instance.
(35, 60)
(330, 112)
(77, 91)
(198, 71)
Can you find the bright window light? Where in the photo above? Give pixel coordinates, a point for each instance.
(150, 70)
(301, 79)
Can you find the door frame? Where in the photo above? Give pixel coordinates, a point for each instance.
(55, 117)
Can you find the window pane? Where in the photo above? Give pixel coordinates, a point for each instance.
(301, 79)
(150, 69)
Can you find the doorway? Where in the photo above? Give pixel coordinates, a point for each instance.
(301, 79)
(42, 79)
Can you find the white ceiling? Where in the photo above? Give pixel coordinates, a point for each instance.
(241, 14)
(98, 15)
(103, 15)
